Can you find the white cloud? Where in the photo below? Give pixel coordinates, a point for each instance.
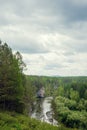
(50, 35)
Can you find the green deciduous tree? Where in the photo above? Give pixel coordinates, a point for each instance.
(74, 95)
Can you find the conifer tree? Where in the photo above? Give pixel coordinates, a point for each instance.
(11, 79)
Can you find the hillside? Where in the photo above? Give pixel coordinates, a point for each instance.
(15, 121)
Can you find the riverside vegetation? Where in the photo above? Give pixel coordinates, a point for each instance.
(69, 98)
(18, 94)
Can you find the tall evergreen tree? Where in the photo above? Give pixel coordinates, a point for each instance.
(11, 79)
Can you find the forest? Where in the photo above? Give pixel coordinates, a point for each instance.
(69, 98)
(18, 93)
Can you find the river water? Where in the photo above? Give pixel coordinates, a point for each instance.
(43, 111)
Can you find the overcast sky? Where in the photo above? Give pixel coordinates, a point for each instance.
(51, 35)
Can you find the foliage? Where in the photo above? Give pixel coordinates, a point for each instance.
(18, 93)
(11, 79)
(29, 95)
(67, 113)
(14, 121)
(70, 98)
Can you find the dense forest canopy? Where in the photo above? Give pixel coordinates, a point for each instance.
(69, 98)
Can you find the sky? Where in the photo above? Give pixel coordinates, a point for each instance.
(51, 35)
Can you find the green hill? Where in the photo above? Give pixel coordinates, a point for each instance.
(15, 121)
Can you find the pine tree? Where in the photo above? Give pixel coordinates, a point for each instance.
(11, 79)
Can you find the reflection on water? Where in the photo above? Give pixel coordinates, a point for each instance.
(43, 110)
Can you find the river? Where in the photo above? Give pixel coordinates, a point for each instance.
(43, 111)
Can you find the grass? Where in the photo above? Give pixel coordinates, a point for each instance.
(15, 121)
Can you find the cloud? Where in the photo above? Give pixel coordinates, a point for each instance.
(51, 35)
(53, 66)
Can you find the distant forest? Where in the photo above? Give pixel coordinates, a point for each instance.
(69, 98)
